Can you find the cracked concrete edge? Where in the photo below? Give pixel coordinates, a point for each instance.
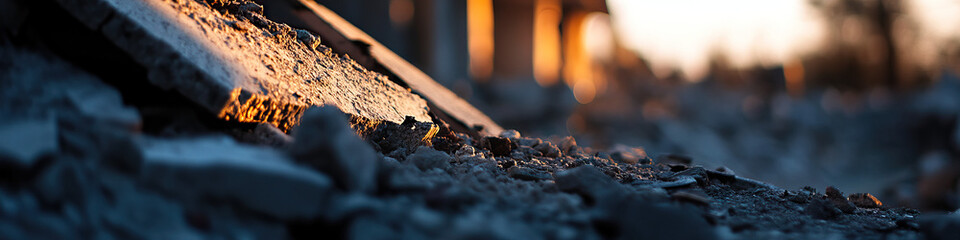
(166, 68)
(169, 69)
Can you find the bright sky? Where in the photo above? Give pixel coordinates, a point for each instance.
(685, 33)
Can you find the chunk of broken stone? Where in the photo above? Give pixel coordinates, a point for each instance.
(529, 174)
(697, 197)
(23, 142)
(565, 143)
(629, 155)
(587, 181)
(426, 158)
(466, 151)
(326, 141)
(526, 152)
(864, 200)
(499, 146)
(510, 133)
(529, 142)
(308, 38)
(637, 218)
(257, 178)
(548, 149)
(836, 197)
(140, 214)
(821, 209)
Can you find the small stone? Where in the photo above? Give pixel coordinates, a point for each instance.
(908, 223)
(529, 142)
(308, 38)
(577, 152)
(248, 7)
(629, 155)
(864, 200)
(821, 209)
(528, 174)
(499, 146)
(567, 143)
(797, 198)
(527, 152)
(325, 141)
(833, 193)
(692, 196)
(725, 170)
(23, 142)
(426, 158)
(548, 149)
(840, 202)
(680, 181)
(587, 181)
(466, 151)
(510, 133)
(636, 218)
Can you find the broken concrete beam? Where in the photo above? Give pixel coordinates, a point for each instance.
(239, 65)
(343, 37)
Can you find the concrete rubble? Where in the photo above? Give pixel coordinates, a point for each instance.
(83, 158)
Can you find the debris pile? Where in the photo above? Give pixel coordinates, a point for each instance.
(83, 157)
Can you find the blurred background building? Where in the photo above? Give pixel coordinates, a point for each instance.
(860, 94)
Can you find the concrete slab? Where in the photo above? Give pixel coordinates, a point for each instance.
(239, 65)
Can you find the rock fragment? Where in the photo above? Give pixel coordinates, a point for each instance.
(259, 179)
(308, 38)
(629, 155)
(697, 197)
(821, 209)
(548, 149)
(326, 141)
(426, 158)
(23, 142)
(529, 142)
(566, 143)
(587, 181)
(528, 174)
(498, 145)
(633, 218)
(864, 200)
(840, 202)
(510, 133)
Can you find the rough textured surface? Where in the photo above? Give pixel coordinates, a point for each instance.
(240, 65)
(258, 178)
(445, 100)
(325, 140)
